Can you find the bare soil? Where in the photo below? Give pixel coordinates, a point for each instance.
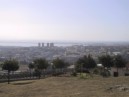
(65, 87)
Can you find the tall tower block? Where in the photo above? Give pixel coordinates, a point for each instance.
(39, 44)
(42, 44)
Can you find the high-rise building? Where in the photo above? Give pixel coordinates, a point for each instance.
(51, 44)
(42, 44)
(39, 44)
(48, 44)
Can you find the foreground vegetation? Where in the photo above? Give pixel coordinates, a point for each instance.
(65, 87)
(82, 64)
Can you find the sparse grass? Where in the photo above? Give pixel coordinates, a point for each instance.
(84, 76)
(64, 87)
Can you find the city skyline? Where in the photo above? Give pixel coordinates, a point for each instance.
(64, 20)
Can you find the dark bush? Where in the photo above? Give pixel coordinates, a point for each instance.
(96, 71)
(83, 70)
(115, 74)
(105, 73)
(74, 74)
(126, 74)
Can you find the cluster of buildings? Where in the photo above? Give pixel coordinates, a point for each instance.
(69, 53)
(47, 45)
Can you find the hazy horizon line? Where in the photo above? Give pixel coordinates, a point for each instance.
(73, 41)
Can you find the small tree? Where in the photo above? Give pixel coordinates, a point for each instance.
(86, 62)
(80, 64)
(91, 62)
(106, 61)
(59, 63)
(31, 66)
(119, 62)
(40, 64)
(10, 65)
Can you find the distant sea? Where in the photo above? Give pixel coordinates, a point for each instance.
(35, 44)
(59, 44)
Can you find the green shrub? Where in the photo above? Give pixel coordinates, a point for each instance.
(96, 71)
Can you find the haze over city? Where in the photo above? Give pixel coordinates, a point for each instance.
(67, 20)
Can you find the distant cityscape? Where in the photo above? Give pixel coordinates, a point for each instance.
(69, 52)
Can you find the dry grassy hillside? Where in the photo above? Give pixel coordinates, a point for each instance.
(66, 87)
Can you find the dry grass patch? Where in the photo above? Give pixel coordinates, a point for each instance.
(65, 87)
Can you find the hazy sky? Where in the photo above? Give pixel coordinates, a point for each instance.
(71, 20)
